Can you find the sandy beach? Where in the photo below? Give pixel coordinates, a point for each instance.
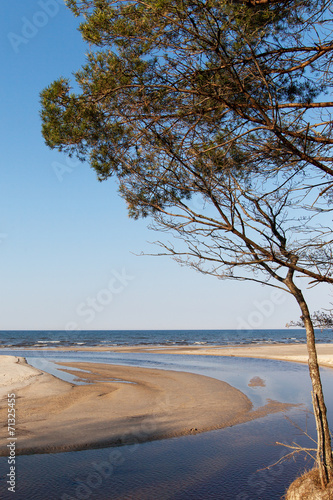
(121, 404)
(116, 405)
(296, 353)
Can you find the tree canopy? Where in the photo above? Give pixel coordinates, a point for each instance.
(214, 115)
(222, 100)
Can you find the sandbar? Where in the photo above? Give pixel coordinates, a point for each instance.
(115, 405)
(296, 353)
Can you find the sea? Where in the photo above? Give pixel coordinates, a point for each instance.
(91, 338)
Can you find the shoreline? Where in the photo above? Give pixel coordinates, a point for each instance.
(117, 405)
(296, 353)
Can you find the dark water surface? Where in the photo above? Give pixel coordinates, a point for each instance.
(228, 464)
(44, 338)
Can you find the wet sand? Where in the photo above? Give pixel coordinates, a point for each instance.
(117, 405)
(296, 353)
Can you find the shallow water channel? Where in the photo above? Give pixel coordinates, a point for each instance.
(228, 464)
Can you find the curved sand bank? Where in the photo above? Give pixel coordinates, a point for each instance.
(53, 415)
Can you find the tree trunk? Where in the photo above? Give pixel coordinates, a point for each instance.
(324, 450)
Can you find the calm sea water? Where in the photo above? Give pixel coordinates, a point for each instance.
(32, 338)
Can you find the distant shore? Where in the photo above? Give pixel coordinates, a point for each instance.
(296, 353)
(116, 405)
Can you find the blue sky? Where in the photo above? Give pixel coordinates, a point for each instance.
(67, 247)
